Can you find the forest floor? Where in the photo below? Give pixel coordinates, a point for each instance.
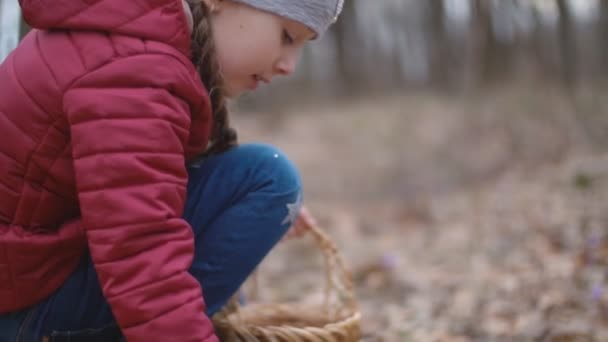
(461, 219)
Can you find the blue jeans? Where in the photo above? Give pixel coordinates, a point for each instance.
(239, 204)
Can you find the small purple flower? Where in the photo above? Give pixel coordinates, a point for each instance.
(389, 260)
(597, 291)
(594, 241)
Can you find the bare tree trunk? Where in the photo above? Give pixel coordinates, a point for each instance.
(478, 39)
(484, 56)
(566, 42)
(539, 47)
(439, 44)
(346, 47)
(603, 30)
(492, 58)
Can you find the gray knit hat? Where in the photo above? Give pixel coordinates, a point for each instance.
(318, 15)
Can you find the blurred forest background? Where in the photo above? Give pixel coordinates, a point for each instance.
(457, 152)
(457, 44)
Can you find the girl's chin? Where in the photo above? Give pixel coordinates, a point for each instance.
(233, 92)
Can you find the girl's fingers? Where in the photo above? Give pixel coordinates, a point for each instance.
(303, 222)
(305, 218)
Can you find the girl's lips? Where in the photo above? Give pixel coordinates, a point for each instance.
(254, 84)
(256, 79)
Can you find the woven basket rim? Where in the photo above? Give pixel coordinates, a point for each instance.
(344, 322)
(348, 326)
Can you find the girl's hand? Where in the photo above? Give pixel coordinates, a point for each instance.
(303, 222)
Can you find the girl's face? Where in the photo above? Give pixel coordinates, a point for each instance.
(253, 46)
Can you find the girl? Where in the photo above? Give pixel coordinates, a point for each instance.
(126, 209)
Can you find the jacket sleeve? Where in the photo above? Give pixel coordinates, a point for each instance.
(128, 128)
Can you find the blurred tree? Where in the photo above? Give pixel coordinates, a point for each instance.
(603, 28)
(439, 43)
(490, 57)
(346, 46)
(392, 44)
(567, 43)
(539, 48)
(538, 43)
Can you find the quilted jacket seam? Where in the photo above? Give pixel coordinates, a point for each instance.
(109, 36)
(21, 131)
(46, 63)
(26, 165)
(80, 57)
(174, 123)
(27, 180)
(111, 60)
(3, 185)
(17, 164)
(130, 186)
(128, 256)
(159, 153)
(166, 312)
(128, 21)
(138, 223)
(30, 97)
(161, 314)
(72, 15)
(43, 182)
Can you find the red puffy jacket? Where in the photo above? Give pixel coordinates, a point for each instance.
(100, 108)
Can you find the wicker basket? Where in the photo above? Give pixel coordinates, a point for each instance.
(337, 319)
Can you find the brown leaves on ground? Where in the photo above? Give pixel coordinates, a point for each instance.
(515, 251)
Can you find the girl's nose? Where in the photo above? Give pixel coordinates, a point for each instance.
(287, 64)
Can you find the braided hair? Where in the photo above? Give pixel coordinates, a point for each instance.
(204, 57)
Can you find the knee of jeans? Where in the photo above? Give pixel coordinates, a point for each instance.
(273, 169)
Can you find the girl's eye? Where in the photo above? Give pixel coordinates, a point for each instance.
(287, 38)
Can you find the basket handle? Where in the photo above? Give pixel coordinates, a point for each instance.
(338, 279)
